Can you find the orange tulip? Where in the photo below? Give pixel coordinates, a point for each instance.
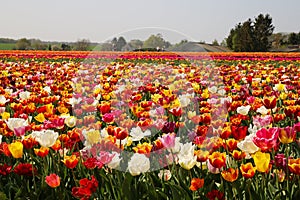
(217, 159)
(42, 152)
(248, 171)
(238, 155)
(231, 144)
(196, 183)
(143, 148)
(230, 174)
(294, 166)
(70, 161)
(202, 156)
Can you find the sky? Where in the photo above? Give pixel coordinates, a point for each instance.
(101, 20)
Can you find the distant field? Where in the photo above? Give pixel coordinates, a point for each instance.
(6, 46)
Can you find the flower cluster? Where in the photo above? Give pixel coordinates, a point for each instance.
(214, 127)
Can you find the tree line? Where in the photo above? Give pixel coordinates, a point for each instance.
(116, 44)
(257, 35)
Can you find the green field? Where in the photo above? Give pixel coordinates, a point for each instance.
(7, 46)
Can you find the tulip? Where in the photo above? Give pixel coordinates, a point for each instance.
(294, 166)
(53, 180)
(243, 110)
(16, 149)
(238, 155)
(217, 159)
(247, 170)
(269, 102)
(138, 164)
(91, 137)
(41, 152)
(266, 139)
(262, 161)
(71, 121)
(40, 118)
(287, 135)
(70, 161)
(230, 174)
(196, 184)
(45, 138)
(14, 123)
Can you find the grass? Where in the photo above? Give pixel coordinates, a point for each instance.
(7, 46)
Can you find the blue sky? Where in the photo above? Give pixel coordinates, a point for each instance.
(99, 20)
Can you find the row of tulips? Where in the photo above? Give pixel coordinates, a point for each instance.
(149, 125)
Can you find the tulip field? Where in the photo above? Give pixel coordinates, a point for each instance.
(149, 125)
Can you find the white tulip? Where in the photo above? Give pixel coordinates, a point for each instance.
(137, 134)
(262, 110)
(138, 164)
(247, 145)
(243, 110)
(46, 138)
(164, 174)
(13, 123)
(186, 157)
(24, 95)
(3, 100)
(115, 162)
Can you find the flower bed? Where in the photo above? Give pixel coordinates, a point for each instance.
(144, 125)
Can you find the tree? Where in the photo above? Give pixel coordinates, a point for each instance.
(277, 40)
(215, 42)
(114, 43)
(243, 37)
(229, 39)
(293, 39)
(65, 47)
(156, 41)
(38, 44)
(263, 29)
(136, 44)
(106, 47)
(82, 45)
(23, 44)
(251, 36)
(121, 42)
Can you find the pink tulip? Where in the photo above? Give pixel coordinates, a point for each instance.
(266, 138)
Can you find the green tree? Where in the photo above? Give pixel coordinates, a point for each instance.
(38, 44)
(156, 41)
(136, 44)
(277, 40)
(251, 36)
(65, 47)
(293, 39)
(106, 47)
(121, 42)
(263, 29)
(82, 45)
(114, 43)
(215, 42)
(243, 37)
(229, 39)
(23, 44)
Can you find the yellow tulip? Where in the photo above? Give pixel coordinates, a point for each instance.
(262, 161)
(40, 118)
(5, 115)
(70, 121)
(49, 108)
(16, 149)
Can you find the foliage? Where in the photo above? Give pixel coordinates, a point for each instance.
(82, 45)
(156, 41)
(251, 35)
(23, 44)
